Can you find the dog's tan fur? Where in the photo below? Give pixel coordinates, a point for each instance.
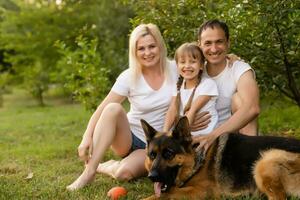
(275, 172)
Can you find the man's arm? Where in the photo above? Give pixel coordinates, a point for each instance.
(248, 92)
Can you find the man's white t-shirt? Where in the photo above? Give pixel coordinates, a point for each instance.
(227, 85)
(145, 102)
(206, 87)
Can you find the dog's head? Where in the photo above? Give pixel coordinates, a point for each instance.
(170, 156)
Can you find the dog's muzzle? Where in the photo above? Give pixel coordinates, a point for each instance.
(154, 176)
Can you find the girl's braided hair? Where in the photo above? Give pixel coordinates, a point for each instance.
(193, 50)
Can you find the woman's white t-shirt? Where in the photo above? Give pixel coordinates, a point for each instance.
(145, 102)
(206, 87)
(227, 85)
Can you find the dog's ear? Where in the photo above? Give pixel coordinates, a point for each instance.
(149, 130)
(182, 130)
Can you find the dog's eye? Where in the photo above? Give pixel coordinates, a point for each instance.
(168, 154)
(152, 155)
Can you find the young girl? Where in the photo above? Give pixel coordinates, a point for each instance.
(194, 93)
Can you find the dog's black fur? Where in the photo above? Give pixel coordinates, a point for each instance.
(241, 152)
(228, 168)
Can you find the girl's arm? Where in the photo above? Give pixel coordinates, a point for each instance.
(196, 106)
(171, 115)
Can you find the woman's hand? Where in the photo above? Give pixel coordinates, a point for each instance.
(232, 58)
(201, 121)
(85, 150)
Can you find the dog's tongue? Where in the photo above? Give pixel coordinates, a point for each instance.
(157, 188)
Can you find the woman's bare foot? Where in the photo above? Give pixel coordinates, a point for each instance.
(85, 178)
(108, 167)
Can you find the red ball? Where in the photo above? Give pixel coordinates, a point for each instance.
(116, 192)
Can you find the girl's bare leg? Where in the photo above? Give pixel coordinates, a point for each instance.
(130, 167)
(112, 129)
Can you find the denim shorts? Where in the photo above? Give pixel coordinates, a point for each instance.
(136, 143)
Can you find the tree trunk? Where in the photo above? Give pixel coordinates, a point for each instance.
(1, 98)
(40, 97)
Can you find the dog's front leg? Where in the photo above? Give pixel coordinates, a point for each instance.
(152, 197)
(191, 193)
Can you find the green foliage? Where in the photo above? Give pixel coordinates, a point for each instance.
(29, 30)
(88, 67)
(178, 20)
(28, 35)
(264, 33)
(268, 35)
(84, 72)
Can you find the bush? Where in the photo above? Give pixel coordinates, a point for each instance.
(84, 72)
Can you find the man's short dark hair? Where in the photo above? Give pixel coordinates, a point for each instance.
(212, 24)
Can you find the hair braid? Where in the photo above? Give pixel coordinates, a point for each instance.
(189, 103)
(178, 98)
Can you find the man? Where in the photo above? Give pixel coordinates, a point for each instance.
(238, 102)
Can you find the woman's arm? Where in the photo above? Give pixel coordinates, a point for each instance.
(232, 58)
(86, 141)
(171, 115)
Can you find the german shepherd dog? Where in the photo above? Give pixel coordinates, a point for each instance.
(234, 165)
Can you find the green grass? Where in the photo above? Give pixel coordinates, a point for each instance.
(279, 117)
(43, 141)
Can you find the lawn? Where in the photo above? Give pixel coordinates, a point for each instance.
(41, 142)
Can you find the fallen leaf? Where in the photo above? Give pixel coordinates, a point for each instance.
(29, 176)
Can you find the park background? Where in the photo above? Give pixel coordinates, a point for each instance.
(59, 58)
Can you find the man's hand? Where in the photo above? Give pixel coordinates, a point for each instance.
(201, 121)
(204, 141)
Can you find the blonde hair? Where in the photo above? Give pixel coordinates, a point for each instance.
(141, 31)
(194, 51)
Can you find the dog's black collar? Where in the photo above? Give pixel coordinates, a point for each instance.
(199, 159)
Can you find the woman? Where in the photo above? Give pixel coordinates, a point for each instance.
(148, 86)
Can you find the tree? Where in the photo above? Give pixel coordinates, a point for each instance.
(30, 32)
(100, 52)
(266, 33)
(84, 71)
